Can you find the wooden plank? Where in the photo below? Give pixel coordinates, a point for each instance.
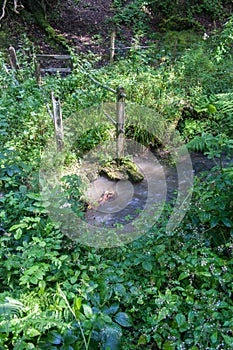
(56, 57)
(134, 47)
(55, 70)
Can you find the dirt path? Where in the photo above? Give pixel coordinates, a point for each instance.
(87, 25)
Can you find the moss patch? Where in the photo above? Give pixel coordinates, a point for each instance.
(43, 23)
(122, 169)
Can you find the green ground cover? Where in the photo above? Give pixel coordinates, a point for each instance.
(166, 290)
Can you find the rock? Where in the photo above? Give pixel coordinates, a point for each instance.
(107, 196)
(122, 169)
(89, 171)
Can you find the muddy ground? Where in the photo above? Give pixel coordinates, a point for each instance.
(86, 24)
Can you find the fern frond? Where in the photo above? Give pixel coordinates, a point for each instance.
(198, 144)
(223, 102)
(47, 320)
(11, 307)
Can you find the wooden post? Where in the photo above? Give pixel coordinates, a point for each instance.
(38, 72)
(58, 125)
(112, 46)
(175, 48)
(13, 58)
(120, 111)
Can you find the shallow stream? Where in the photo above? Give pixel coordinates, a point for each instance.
(161, 184)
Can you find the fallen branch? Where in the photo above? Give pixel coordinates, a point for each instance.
(16, 6)
(110, 118)
(3, 10)
(96, 81)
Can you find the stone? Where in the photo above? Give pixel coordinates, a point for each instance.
(122, 169)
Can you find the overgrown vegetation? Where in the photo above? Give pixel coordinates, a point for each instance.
(166, 290)
(167, 15)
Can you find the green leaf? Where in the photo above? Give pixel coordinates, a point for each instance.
(66, 347)
(73, 279)
(168, 345)
(87, 324)
(14, 227)
(212, 109)
(180, 319)
(214, 337)
(11, 307)
(204, 273)
(18, 233)
(69, 339)
(54, 338)
(119, 289)
(77, 303)
(106, 318)
(227, 222)
(32, 332)
(123, 319)
(183, 275)
(142, 340)
(214, 221)
(162, 314)
(228, 340)
(111, 337)
(23, 188)
(112, 309)
(87, 311)
(147, 266)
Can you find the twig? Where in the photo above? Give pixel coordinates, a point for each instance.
(110, 118)
(113, 121)
(15, 6)
(49, 111)
(3, 9)
(96, 81)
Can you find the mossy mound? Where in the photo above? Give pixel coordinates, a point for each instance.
(179, 23)
(122, 169)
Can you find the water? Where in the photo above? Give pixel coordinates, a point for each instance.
(160, 185)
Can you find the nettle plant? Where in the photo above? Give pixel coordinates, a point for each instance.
(212, 193)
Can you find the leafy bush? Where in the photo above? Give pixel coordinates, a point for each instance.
(91, 138)
(169, 15)
(131, 14)
(213, 8)
(166, 290)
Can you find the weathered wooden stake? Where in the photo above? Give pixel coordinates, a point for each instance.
(58, 125)
(38, 72)
(120, 111)
(13, 58)
(112, 46)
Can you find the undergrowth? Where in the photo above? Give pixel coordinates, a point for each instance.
(166, 290)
